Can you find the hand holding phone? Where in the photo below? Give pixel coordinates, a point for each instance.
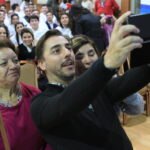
(141, 56)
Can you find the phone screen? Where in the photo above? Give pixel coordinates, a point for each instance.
(140, 56)
(141, 21)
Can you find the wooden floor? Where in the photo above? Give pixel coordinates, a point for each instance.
(138, 130)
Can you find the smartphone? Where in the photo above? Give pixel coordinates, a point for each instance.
(141, 56)
(141, 21)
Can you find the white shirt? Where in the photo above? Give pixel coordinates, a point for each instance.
(39, 32)
(65, 31)
(14, 40)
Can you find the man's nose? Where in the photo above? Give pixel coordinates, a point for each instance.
(67, 52)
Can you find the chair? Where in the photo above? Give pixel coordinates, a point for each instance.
(28, 73)
(145, 92)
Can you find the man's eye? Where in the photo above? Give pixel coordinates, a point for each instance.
(56, 51)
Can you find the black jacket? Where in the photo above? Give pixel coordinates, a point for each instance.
(23, 53)
(89, 24)
(66, 122)
(49, 27)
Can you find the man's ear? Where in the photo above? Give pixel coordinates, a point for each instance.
(42, 65)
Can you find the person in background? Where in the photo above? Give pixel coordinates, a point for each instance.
(26, 50)
(4, 33)
(2, 17)
(88, 24)
(86, 53)
(27, 13)
(11, 27)
(65, 25)
(15, 101)
(16, 39)
(107, 7)
(49, 22)
(61, 112)
(53, 4)
(37, 28)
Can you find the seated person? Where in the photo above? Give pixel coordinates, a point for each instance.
(15, 101)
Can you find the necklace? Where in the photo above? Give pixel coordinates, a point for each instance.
(13, 100)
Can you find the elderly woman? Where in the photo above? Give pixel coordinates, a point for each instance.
(86, 53)
(15, 100)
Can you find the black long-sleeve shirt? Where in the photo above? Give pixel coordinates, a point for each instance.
(66, 122)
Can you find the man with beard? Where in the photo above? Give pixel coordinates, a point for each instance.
(61, 112)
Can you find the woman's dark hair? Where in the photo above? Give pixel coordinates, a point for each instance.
(70, 22)
(26, 30)
(79, 40)
(17, 35)
(13, 16)
(77, 10)
(6, 29)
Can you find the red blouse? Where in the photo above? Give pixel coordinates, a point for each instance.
(2, 1)
(107, 8)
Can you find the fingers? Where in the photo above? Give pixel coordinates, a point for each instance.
(130, 40)
(121, 20)
(126, 30)
(133, 46)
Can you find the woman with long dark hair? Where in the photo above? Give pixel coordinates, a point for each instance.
(16, 39)
(88, 24)
(65, 25)
(4, 33)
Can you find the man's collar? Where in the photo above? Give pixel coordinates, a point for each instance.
(58, 84)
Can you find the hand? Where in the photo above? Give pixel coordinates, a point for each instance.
(121, 43)
(103, 20)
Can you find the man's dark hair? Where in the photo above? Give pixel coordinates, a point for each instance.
(33, 17)
(50, 11)
(7, 44)
(14, 6)
(41, 42)
(13, 16)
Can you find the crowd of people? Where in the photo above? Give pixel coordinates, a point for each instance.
(78, 60)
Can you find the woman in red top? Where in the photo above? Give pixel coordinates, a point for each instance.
(2, 1)
(15, 101)
(107, 7)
